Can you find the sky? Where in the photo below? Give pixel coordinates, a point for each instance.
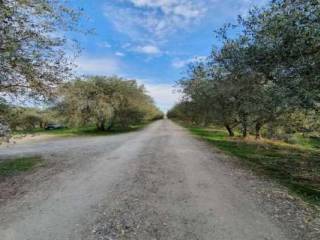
(152, 41)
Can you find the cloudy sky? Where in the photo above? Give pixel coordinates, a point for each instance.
(152, 40)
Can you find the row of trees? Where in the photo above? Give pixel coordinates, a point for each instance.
(25, 118)
(267, 76)
(104, 102)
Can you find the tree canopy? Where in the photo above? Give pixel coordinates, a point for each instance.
(106, 102)
(270, 71)
(33, 46)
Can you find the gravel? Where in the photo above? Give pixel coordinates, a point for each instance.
(157, 183)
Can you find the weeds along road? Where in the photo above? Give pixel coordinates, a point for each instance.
(157, 183)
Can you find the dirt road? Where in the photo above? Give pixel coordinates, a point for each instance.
(157, 183)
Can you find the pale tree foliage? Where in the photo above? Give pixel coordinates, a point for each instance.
(28, 118)
(106, 102)
(32, 46)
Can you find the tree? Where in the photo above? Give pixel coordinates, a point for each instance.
(284, 42)
(106, 102)
(196, 93)
(23, 118)
(223, 101)
(33, 58)
(181, 111)
(83, 102)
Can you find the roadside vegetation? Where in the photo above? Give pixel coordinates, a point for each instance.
(86, 106)
(296, 166)
(263, 88)
(15, 166)
(76, 131)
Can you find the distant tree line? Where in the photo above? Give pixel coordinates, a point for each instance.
(266, 78)
(103, 102)
(106, 102)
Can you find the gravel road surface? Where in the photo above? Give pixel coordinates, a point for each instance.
(156, 183)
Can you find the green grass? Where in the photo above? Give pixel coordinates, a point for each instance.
(81, 131)
(297, 166)
(306, 142)
(15, 166)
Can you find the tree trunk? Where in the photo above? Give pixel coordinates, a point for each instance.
(101, 125)
(258, 128)
(110, 125)
(244, 126)
(244, 131)
(270, 130)
(206, 120)
(229, 129)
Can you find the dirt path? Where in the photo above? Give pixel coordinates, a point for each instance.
(158, 183)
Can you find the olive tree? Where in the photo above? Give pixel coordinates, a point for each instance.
(33, 45)
(106, 102)
(267, 73)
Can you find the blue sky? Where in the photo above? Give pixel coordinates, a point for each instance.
(152, 40)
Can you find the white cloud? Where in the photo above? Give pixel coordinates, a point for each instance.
(97, 66)
(164, 95)
(148, 49)
(156, 20)
(184, 8)
(120, 54)
(178, 63)
(153, 20)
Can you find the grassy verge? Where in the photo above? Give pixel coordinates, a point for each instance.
(306, 142)
(297, 166)
(81, 131)
(18, 165)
